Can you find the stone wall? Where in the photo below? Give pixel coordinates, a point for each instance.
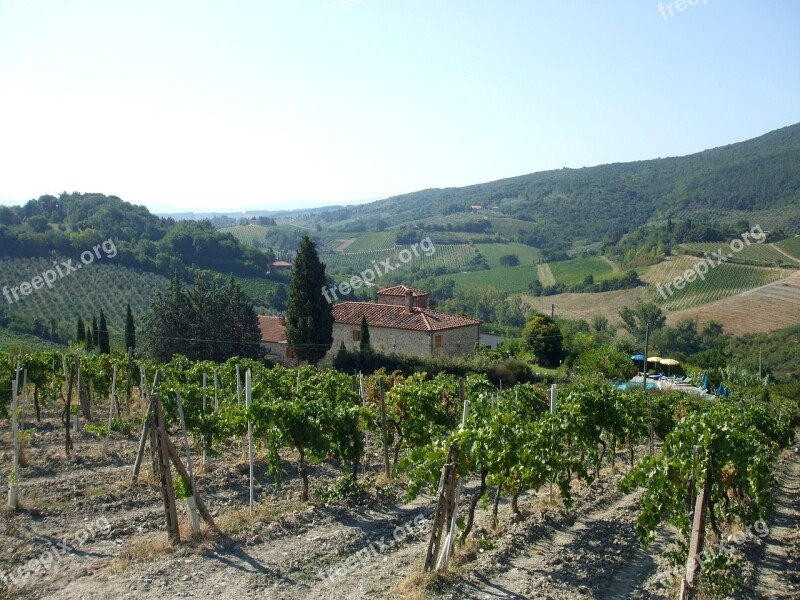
(386, 340)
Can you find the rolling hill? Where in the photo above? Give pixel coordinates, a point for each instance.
(756, 180)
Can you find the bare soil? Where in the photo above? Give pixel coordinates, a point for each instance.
(92, 533)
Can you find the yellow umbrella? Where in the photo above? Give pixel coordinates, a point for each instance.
(670, 362)
(653, 359)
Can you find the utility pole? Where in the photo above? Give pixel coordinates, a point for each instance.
(759, 364)
(651, 446)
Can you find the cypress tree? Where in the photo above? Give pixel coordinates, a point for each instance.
(130, 329)
(309, 318)
(364, 336)
(103, 341)
(95, 333)
(81, 332)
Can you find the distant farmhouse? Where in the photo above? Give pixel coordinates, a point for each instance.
(399, 322)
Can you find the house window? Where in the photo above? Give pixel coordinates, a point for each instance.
(437, 341)
(356, 335)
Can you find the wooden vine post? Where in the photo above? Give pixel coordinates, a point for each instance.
(128, 382)
(13, 485)
(688, 589)
(387, 470)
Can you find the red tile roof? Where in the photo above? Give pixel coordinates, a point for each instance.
(282, 264)
(273, 329)
(396, 317)
(400, 290)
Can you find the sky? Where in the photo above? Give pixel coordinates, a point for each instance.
(222, 106)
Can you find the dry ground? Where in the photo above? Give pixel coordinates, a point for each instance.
(293, 550)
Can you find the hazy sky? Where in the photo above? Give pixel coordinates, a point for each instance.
(202, 105)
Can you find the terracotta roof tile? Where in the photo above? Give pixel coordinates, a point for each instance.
(396, 317)
(273, 329)
(400, 290)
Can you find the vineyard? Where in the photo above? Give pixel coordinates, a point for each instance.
(765, 309)
(98, 286)
(332, 452)
(720, 282)
(754, 254)
(372, 242)
(503, 279)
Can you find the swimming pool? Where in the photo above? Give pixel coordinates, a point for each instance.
(636, 385)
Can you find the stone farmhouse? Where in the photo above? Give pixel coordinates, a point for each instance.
(403, 320)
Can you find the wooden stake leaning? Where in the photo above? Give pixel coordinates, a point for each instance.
(147, 430)
(688, 588)
(444, 559)
(165, 472)
(443, 506)
(167, 456)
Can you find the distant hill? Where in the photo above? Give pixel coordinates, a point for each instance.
(130, 250)
(756, 180)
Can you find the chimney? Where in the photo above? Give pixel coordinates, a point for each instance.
(409, 300)
(282, 320)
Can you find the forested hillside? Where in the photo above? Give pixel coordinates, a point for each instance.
(751, 179)
(72, 223)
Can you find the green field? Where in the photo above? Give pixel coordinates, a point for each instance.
(449, 257)
(492, 252)
(574, 271)
(503, 279)
(508, 226)
(379, 240)
(791, 246)
(247, 234)
(754, 254)
(83, 293)
(276, 237)
(24, 343)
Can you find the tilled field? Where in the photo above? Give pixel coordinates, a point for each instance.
(91, 533)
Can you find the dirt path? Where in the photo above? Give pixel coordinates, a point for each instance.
(596, 556)
(778, 572)
(345, 244)
(545, 275)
